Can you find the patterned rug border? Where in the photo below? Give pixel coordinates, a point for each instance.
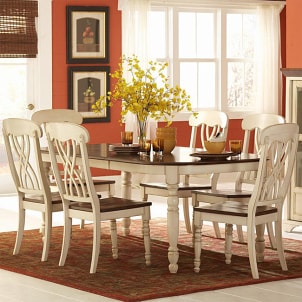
(157, 245)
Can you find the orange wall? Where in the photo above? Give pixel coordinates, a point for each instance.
(110, 132)
(293, 34)
(100, 132)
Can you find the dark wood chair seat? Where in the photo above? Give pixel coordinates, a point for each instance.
(55, 198)
(229, 194)
(110, 204)
(181, 186)
(234, 208)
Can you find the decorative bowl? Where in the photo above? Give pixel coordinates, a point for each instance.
(214, 147)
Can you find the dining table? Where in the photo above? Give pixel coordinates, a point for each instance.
(181, 161)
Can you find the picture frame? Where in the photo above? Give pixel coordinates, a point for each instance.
(85, 86)
(87, 34)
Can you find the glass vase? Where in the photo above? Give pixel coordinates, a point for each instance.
(143, 142)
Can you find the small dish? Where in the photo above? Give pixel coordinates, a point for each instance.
(120, 148)
(212, 156)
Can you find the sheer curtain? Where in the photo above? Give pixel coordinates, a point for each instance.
(135, 27)
(269, 59)
(135, 41)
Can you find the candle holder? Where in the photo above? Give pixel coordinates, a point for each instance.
(127, 138)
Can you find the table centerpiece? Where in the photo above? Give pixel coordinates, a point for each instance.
(144, 92)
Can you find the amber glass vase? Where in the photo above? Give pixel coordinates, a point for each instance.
(168, 134)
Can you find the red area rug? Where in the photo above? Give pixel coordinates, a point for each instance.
(127, 278)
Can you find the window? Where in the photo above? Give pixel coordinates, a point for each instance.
(239, 60)
(211, 54)
(25, 81)
(13, 75)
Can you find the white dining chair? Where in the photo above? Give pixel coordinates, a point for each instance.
(277, 157)
(209, 124)
(44, 116)
(22, 143)
(252, 125)
(67, 146)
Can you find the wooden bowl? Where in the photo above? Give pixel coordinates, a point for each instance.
(214, 147)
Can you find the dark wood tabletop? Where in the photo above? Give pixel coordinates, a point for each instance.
(179, 156)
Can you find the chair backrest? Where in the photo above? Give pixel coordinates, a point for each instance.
(57, 115)
(211, 123)
(68, 142)
(255, 123)
(44, 116)
(277, 157)
(22, 143)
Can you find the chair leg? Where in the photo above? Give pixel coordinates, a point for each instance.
(271, 235)
(113, 231)
(21, 223)
(252, 252)
(197, 240)
(146, 236)
(186, 211)
(96, 246)
(228, 242)
(217, 229)
(42, 227)
(144, 196)
(66, 241)
(240, 233)
(46, 236)
(279, 245)
(82, 224)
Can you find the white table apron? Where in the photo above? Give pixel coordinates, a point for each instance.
(172, 174)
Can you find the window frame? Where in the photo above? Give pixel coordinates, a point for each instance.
(221, 60)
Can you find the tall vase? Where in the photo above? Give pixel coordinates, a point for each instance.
(142, 132)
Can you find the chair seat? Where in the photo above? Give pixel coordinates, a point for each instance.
(103, 182)
(97, 183)
(111, 204)
(224, 193)
(55, 198)
(181, 186)
(235, 209)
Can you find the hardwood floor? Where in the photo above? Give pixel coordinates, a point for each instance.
(15, 287)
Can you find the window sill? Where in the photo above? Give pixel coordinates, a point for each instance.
(184, 116)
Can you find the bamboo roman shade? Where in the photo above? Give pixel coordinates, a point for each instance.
(18, 36)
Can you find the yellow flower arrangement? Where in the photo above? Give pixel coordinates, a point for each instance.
(146, 94)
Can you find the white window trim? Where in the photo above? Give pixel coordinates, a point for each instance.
(42, 97)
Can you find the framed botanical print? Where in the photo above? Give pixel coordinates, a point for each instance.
(86, 85)
(87, 34)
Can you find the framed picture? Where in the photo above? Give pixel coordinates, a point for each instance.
(86, 85)
(87, 34)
